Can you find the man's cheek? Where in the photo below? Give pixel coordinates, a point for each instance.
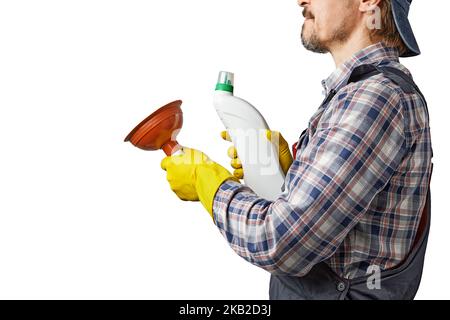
(320, 29)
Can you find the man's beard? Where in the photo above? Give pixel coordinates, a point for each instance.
(314, 44)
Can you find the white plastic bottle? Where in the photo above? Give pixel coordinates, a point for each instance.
(247, 129)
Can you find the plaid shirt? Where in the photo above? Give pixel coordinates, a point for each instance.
(356, 190)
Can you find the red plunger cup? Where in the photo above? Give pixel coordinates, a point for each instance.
(159, 130)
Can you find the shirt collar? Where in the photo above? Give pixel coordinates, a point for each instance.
(374, 54)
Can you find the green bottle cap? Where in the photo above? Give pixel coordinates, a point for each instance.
(225, 81)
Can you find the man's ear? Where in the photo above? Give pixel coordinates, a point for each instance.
(369, 5)
(372, 12)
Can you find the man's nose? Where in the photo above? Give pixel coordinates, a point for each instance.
(303, 3)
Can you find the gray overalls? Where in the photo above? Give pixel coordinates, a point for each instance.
(399, 283)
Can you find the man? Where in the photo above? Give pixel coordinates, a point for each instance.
(350, 224)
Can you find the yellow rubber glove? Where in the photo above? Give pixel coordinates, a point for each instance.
(194, 176)
(284, 153)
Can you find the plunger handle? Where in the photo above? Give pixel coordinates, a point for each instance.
(172, 147)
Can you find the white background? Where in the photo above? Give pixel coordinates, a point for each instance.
(85, 215)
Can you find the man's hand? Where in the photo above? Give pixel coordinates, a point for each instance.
(284, 154)
(194, 176)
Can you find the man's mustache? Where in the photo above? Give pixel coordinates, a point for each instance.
(307, 14)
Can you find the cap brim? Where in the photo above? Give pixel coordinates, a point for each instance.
(404, 28)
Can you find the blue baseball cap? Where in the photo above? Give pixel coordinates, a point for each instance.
(400, 10)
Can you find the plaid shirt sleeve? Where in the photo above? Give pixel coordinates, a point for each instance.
(356, 148)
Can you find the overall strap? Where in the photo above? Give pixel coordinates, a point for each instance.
(402, 79)
(424, 223)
